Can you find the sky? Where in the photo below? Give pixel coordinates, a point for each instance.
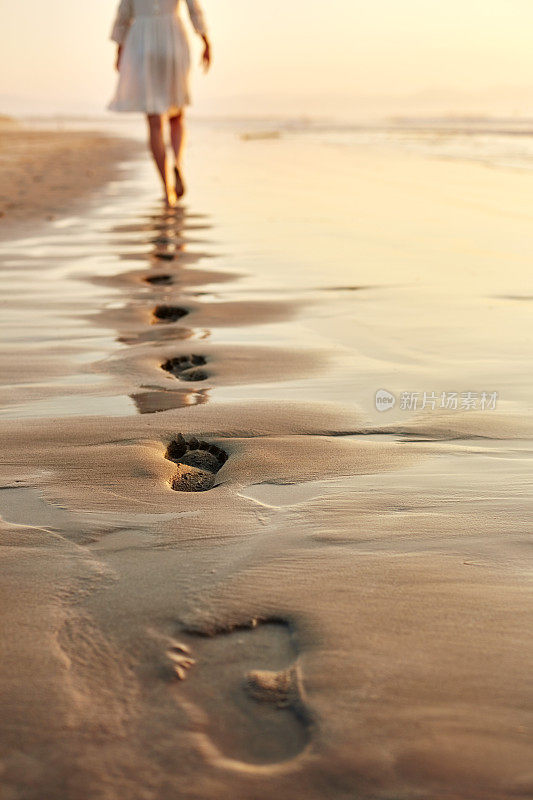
(316, 57)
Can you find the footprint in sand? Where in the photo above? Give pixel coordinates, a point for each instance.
(186, 368)
(246, 694)
(198, 463)
(167, 250)
(179, 656)
(159, 280)
(169, 313)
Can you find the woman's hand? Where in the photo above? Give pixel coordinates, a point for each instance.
(206, 55)
(118, 58)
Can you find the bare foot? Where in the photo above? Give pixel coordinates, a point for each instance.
(180, 186)
(170, 197)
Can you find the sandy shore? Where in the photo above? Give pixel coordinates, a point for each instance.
(343, 609)
(44, 173)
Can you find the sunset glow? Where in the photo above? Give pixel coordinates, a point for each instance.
(302, 57)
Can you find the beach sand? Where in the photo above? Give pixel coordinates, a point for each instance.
(345, 610)
(45, 172)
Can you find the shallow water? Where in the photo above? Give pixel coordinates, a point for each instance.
(420, 305)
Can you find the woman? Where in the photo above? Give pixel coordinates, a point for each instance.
(153, 62)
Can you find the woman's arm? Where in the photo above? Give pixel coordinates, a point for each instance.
(199, 25)
(118, 57)
(122, 22)
(206, 55)
(197, 17)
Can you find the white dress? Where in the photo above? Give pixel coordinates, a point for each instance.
(155, 62)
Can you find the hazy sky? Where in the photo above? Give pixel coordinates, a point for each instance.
(282, 55)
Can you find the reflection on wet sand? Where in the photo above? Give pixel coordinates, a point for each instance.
(154, 401)
(163, 335)
(175, 310)
(165, 236)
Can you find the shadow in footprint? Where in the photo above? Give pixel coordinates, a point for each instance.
(180, 660)
(159, 280)
(247, 685)
(165, 313)
(198, 463)
(187, 368)
(167, 255)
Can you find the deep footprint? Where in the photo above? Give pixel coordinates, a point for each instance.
(159, 280)
(169, 313)
(198, 463)
(186, 367)
(255, 716)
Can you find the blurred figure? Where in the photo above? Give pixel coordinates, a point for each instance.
(153, 61)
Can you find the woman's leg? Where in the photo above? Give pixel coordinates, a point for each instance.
(177, 136)
(159, 152)
(177, 139)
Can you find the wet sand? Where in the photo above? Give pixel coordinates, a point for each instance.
(225, 573)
